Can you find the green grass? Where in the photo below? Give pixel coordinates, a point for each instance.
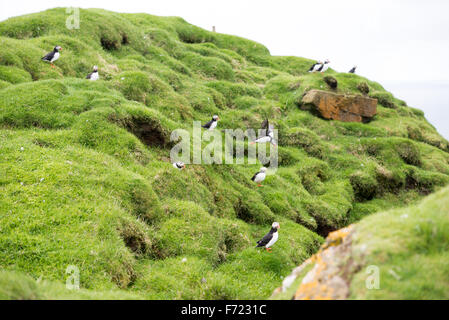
(85, 177)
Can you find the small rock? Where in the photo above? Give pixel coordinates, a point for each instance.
(22, 148)
(184, 260)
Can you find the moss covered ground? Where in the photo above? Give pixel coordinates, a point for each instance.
(85, 177)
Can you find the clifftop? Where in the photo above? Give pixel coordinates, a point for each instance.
(85, 178)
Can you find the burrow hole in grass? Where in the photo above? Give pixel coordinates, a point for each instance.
(149, 134)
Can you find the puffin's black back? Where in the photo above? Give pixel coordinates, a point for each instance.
(265, 126)
(49, 56)
(207, 125)
(311, 68)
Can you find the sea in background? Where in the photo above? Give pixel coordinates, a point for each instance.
(432, 98)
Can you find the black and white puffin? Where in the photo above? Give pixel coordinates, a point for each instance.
(179, 165)
(267, 134)
(211, 125)
(52, 56)
(353, 69)
(270, 238)
(93, 76)
(316, 66)
(323, 68)
(260, 176)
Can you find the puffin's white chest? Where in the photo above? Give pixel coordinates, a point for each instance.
(55, 57)
(260, 177)
(325, 67)
(94, 77)
(273, 240)
(213, 125)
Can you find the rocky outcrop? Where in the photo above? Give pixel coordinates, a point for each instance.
(328, 278)
(348, 108)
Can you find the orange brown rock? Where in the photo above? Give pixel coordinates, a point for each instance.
(347, 108)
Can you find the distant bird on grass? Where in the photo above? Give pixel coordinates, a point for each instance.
(316, 66)
(179, 165)
(211, 125)
(52, 56)
(267, 134)
(270, 238)
(260, 176)
(324, 66)
(353, 69)
(93, 76)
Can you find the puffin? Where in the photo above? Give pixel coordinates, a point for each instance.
(93, 76)
(52, 56)
(316, 66)
(267, 134)
(324, 66)
(260, 176)
(211, 125)
(353, 69)
(270, 238)
(179, 165)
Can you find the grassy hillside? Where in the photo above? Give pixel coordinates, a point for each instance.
(85, 177)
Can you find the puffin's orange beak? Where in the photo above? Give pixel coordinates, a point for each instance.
(279, 226)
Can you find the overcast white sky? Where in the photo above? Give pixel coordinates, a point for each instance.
(403, 44)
